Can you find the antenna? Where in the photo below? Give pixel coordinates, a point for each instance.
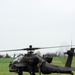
(71, 42)
(71, 39)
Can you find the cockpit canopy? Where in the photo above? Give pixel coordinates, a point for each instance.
(18, 58)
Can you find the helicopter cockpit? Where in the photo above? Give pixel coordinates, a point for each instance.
(18, 58)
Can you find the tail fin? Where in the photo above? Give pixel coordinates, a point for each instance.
(70, 57)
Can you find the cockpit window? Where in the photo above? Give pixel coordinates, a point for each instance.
(18, 58)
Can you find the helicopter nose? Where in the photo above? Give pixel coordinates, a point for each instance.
(12, 68)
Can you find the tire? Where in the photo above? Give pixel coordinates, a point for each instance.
(20, 72)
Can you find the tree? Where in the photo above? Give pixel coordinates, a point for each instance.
(7, 56)
(1, 56)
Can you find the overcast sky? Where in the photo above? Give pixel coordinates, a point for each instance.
(37, 22)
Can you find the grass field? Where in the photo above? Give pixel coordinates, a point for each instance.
(4, 62)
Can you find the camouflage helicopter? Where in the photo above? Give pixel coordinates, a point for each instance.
(34, 63)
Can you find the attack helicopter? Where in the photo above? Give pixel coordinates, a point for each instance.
(34, 63)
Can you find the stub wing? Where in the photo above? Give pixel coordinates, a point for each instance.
(73, 68)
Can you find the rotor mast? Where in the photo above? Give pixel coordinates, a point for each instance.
(30, 49)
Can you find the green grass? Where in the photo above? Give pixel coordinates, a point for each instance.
(61, 61)
(4, 63)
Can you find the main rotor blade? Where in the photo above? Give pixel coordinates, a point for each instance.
(20, 49)
(11, 50)
(57, 46)
(36, 48)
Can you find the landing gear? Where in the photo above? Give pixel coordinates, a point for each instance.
(32, 73)
(71, 73)
(20, 72)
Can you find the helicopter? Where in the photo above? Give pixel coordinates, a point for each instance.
(34, 63)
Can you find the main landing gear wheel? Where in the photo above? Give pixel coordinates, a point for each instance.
(32, 73)
(20, 72)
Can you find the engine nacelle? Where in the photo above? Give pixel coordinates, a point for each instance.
(48, 58)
